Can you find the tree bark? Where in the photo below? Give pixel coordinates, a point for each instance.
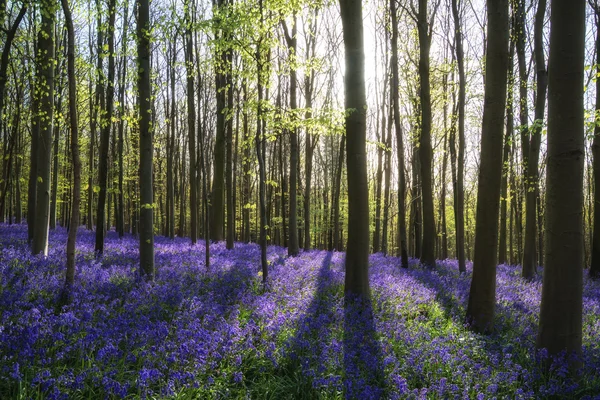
(357, 255)
(146, 142)
(459, 195)
(595, 257)
(72, 85)
(425, 151)
(482, 296)
(46, 54)
(560, 327)
(106, 118)
(189, 60)
(402, 236)
(529, 252)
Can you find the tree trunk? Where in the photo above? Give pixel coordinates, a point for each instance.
(44, 160)
(560, 326)
(229, 162)
(121, 215)
(459, 207)
(357, 255)
(106, 118)
(74, 221)
(261, 152)
(189, 59)
(595, 257)
(293, 196)
(482, 297)
(425, 151)
(402, 236)
(505, 158)
(146, 142)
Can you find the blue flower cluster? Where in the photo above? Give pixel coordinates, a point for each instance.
(221, 333)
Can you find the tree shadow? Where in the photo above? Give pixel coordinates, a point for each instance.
(363, 357)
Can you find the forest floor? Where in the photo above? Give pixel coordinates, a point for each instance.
(221, 334)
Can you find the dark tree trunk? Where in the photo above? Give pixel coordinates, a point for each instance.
(425, 151)
(459, 195)
(529, 252)
(189, 59)
(482, 297)
(560, 326)
(74, 221)
(46, 54)
(505, 158)
(293, 196)
(337, 241)
(229, 162)
(106, 118)
(121, 208)
(402, 236)
(357, 255)
(146, 142)
(595, 257)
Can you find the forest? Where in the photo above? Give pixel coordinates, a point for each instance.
(305, 199)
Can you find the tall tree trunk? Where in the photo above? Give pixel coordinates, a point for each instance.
(189, 60)
(459, 195)
(106, 118)
(505, 158)
(482, 297)
(146, 141)
(246, 167)
(402, 236)
(72, 84)
(35, 138)
(46, 85)
(337, 240)
(425, 151)
(357, 255)
(293, 196)
(229, 162)
(529, 252)
(261, 154)
(217, 206)
(560, 327)
(121, 195)
(595, 258)
(387, 181)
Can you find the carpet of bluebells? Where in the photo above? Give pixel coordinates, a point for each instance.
(221, 333)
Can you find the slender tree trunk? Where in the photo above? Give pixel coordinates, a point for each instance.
(505, 157)
(337, 240)
(560, 326)
(189, 59)
(261, 154)
(530, 251)
(121, 208)
(46, 59)
(425, 151)
(217, 203)
(387, 179)
(229, 162)
(482, 297)
(101, 222)
(246, 167)
(402, 236)
(595, 258)
(74, 221)
(146, 142)
(293, 196)
(460, 164)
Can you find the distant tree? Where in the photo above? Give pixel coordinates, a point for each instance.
(560, 326)
(357, 255)
(482, 297)
(146, 141)
(45, 82)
